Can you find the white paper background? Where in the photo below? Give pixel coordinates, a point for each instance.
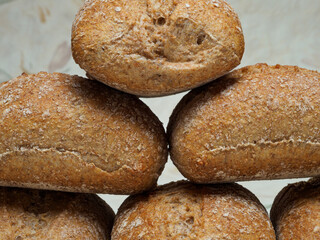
(35, 36)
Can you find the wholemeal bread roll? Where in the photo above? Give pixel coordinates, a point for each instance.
(155, 47)
(295, 212)
(67, 133)
(258, 122)
(183, 210)
(33, 214)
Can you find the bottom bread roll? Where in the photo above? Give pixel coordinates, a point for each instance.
(33, 214)
(183, 210)
(295, 212)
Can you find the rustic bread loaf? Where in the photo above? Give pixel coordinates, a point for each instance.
(258, 122)
(295, 212)
(37, 215)
(184, 210)
(67, 133)
(155, 48)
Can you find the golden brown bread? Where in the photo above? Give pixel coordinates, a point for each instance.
(258, 122)
(37, 215)
(68, 133)
(295, 212)
(184, 210)
(153, 47)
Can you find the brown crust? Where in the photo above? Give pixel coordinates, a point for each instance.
(295, 212)
(183, 210)
(258, 122)
(63, 132)
(148, 50)
(34, 214)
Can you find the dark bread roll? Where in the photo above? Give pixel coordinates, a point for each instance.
(184, 210)
(67, 133)
(155, 48)
(258, 122)
(34, 214)
(295, 212)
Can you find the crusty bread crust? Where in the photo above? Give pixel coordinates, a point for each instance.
(295, 212)
(184, 210)
(38, 215)
(156, 48)
(63, 132)
(258, 122)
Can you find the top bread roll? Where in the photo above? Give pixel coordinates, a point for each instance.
(156, 48)
(67, 133)
(258, 122)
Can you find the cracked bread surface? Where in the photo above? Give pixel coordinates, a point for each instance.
(67, 133)
(154, 47)
(27, 214)
(184, 210)
(295, 212)
(258, 122)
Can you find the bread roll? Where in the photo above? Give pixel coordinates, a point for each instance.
(67, 133)
(183, 210)
(37, 215)
(155, 47)
(258, 122)
(295, 212)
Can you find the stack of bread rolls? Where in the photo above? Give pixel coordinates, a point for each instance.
(68, 137)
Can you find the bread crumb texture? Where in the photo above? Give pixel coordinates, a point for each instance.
(183, 210)
(155, 47)
(68, 133)
(295, 212)
(258, 122)
(27, 214)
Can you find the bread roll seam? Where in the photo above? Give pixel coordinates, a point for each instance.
(261, 143)
(59, 151)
